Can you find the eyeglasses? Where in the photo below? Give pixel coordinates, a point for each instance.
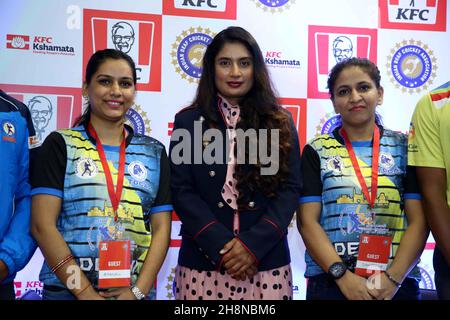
(119, 38)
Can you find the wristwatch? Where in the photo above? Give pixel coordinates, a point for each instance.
(337, 270)
(137, 293)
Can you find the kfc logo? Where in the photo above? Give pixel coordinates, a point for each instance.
(330, 45)
(51, 108)
(15, 41)
(122, 36)
(219, 9)
(136, 34)
(297, 108)
(413, 14)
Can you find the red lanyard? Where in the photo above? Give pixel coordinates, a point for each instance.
(113, 196)
(375, 153)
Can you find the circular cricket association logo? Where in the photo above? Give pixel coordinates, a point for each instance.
(86, 168)
(411, 66)
(137, 119)
(188, 50)
(274, 6)
(328, 123)
(426, 281)
(171, 285)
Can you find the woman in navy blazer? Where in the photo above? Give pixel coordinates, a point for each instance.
(234, 213)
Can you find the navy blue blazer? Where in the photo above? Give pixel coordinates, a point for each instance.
(207, 220)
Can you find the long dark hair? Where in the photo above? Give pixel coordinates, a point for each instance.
(259, 109)
(94, 63)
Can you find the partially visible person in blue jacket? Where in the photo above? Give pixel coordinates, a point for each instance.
(17, 138)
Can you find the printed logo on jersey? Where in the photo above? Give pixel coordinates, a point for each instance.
(137, 34)
(17, 41)
(9, 129)
(412, 146)
(352, 219)
(137, 170)
(329, 45)
(413, 14)
(387, 164)
(411, 66)
(297, 108)
(137, 119)
(86, 168)
(219, 9)
(335, 164)
(274, 6)
(51, 108)
(188, 51)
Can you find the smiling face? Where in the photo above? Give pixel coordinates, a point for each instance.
(233, 71)
(111, 90)
(355, 97)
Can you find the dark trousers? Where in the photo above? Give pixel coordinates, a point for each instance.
(322, 287)
(7, 291)
(441, 275)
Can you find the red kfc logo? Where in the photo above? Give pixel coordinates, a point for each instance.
(297, 108)
(18, 289)
(16, 41)
(51, 108)
(413, 14)
(330, 45)
(218, 9)
(137, 34)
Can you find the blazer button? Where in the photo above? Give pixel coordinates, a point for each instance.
(212, 173)
(220, 204)
(251, 204)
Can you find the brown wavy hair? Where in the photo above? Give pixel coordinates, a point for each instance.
(259, 109)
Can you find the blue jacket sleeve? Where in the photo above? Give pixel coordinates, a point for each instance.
(17, 246)
(195, 214)
(272, 226)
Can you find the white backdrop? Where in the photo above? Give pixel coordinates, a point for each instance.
(44, 46)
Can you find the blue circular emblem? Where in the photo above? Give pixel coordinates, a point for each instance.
(426, 280)
(411, 66)
(274, 3)
(331, 124)
(190, 53)
(136, 121)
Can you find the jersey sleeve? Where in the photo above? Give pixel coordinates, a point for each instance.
(310, 167)
(163, 200)
(424, 142)
(50, 167)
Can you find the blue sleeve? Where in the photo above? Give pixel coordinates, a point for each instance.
(17, 245)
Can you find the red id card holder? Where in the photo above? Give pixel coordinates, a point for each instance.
(114, 264)
(373, 254)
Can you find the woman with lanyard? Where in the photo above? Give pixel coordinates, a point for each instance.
(359, 189)
(101, 209)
